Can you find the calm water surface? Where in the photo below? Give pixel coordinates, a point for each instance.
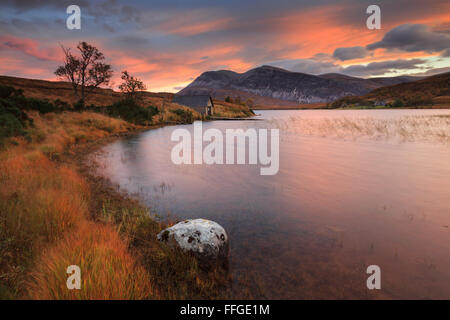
(335, 207)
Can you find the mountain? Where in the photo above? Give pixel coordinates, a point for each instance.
(269, 85)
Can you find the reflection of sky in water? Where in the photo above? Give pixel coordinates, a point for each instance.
(335, 207)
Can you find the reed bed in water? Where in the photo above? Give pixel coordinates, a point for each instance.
(404, 129)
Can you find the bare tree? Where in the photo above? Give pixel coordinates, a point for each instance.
(87, 70)
(131, 84)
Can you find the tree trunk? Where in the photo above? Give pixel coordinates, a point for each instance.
(75, 90)
(82, 89)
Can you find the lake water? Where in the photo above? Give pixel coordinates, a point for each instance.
(354, 188)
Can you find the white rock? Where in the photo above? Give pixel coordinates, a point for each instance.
(206, 239)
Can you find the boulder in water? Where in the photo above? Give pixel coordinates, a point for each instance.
(206, 239)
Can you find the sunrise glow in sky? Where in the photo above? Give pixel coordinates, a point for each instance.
(169, 43)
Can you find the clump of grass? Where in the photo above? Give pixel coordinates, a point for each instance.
(15, 98)
(186, 116)
(38, 204)
(13, 120)
(230, 110)
(46, 207)
(42, 201)
(56, 132)
(130, 111)
(108, 271)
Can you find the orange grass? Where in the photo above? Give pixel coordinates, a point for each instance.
(51, 217)
(108, 271)
(231, 110)
(43, 203)
(47, 210)
(39, 203)
(54, 132)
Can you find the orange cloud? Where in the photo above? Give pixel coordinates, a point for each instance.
(319, 30)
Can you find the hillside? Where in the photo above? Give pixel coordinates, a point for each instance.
(371, 83)
(431, 91)
(437, 86)
(52, 90)
(54, 212)
(268, 85)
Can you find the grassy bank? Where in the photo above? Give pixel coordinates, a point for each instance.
(169, 112)
(53, 214)
(44, 203)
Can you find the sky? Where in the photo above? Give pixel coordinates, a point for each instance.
(169, 43)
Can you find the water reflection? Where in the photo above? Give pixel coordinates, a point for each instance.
(336, 206)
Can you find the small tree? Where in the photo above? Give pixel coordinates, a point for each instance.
(87, 70)
(228, 99)
(398, 103)
(131, 84)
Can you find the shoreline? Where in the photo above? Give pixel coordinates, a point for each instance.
(356, 108)
(198, 283)
(69, 215)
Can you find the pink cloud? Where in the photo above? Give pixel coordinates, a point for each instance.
(194, 22)
(30, 47)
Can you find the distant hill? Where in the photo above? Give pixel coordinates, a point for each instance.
(269, 85)
(371, 83)
(434, 90)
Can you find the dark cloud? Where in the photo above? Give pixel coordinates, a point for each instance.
(26, 5)
(372, 69)
(307, 66)
(392, 12)
(112, 10)
(108, 27)
(321, 56)
(446, 53)
(412, 38)
(379, 68)
(349, 53)
(443, 27)
(130, 41)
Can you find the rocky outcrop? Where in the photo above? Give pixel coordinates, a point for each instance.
(206, 239)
